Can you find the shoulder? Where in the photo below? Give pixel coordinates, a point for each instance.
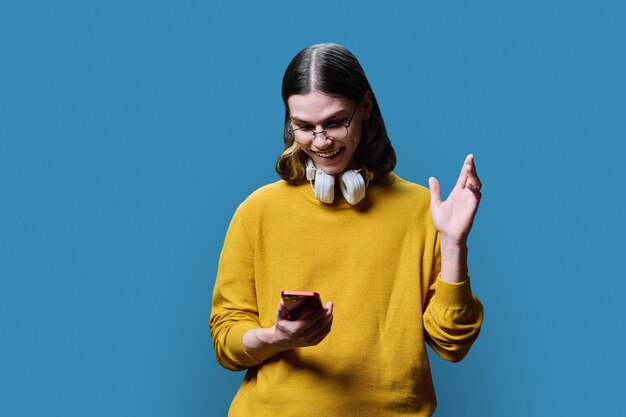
(405, 201)
(403, 191)
(407, 186)
(272, 193)
(271, 199)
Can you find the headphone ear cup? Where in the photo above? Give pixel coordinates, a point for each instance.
(324, 187)
(352, 186)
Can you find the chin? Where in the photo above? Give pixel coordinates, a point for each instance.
(331, 167)
(331, 171)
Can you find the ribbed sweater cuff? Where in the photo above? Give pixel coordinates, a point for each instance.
(453, 296)
(235, 336)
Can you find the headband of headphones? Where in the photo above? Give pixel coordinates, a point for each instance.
(353, 183)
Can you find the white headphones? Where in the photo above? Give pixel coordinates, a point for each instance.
(353, 184)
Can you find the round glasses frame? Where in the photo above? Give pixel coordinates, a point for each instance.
(335, 131)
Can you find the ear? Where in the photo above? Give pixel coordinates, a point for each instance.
(367, 104)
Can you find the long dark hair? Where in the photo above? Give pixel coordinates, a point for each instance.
(332, 69)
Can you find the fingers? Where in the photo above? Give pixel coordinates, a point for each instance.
(470, 158)
(282, 313)
(473, 182)
(468, 178)
(321, 335)
(322, 327)
(314, 317)
(465, 171)
(306, 331)
(435, 191)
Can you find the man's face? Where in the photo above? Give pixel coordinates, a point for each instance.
(318, 111)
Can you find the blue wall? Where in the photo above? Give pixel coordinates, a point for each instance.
(130, 131)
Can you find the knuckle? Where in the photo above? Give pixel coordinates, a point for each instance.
(290, 332)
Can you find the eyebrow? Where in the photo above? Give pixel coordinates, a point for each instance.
(332, 116)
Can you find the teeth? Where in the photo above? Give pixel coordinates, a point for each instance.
(328, 154)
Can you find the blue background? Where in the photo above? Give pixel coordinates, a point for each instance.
(130, 131)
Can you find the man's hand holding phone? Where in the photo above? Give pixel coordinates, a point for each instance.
(299, 304)
(306, 325)
(301, 320)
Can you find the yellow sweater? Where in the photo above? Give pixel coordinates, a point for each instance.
(379, 264)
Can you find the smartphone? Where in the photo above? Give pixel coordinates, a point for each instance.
(299, 302)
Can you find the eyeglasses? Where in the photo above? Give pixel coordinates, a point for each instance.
(335, 131)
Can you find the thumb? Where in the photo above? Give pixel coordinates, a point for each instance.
(329, 307)
(282, 313)
(435, 196)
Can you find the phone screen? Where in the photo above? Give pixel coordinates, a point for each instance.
(299, 302)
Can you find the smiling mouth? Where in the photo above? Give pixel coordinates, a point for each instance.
(328, 154)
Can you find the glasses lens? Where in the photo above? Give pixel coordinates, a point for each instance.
(336, 132)
(303, 136)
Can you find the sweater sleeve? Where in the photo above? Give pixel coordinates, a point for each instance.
(452, 319)
(452, 316)
(234, 309)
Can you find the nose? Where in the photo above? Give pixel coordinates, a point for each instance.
(322, 135)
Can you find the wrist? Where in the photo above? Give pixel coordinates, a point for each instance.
(453, 260)
(259, 343)
(450, 243)
(263, 336)
(267, 338)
